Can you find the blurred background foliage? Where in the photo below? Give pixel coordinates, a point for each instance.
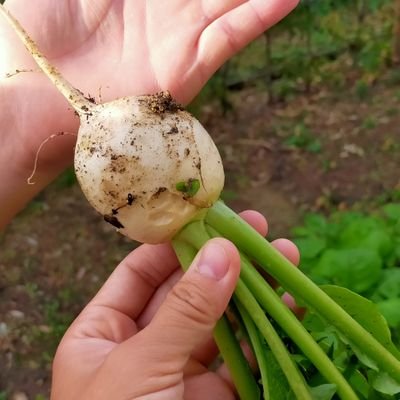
(305, 50)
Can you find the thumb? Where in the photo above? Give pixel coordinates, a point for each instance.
(192, 308)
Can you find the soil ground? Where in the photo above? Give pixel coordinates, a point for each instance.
(316, 152)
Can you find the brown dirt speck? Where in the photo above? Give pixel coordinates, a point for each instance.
(113, 220)
(162, 102)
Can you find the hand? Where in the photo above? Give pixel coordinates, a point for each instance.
(147, 333)
(121, 47)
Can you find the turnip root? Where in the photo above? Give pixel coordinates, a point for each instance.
(139, 163)
(139, 160)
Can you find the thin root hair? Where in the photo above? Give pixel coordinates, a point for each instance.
(29, 181)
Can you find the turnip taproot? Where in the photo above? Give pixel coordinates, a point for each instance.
(139, 163)
(152, 171)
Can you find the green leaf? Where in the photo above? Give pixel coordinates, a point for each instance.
(389, 285)
(278, 384)
(316, 223)
(359, 382)
(368, 233)
(323, 392)
(314, 146)
(328, 339)
(356, 269)
(390, 309)
(310, 247)
(365, 312)
(392, 211)
(301, 231)
(383, 383)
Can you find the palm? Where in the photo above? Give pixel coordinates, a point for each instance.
(143, 46)
(121, 48)
(129, 342)
(88, 354)
(95, 349)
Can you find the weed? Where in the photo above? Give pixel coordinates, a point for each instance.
(57, 319)
(369, 123)
(303, 138)
(362, 89)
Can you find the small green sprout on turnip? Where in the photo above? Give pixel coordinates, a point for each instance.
(189, 188)
(151, 170)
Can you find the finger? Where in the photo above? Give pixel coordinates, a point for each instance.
(158, 298)
(192, 308)
(212, 9)
(289, 250)
(207, 386)
(136, 279)
(206, 352)
(228, 34)
(289, 300)
(253, 218)
(256, 220)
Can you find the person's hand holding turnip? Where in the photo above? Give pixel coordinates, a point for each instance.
(148, 332)
(109, 49)
(113, 48)
(153, 172)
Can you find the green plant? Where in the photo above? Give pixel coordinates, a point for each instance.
(356, 251)
(369, 123)
(360, 252)
(57, 319)
(362, 89)
(303, 138)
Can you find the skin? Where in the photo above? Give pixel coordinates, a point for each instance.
(116, 46)
(157, 345)
(142, 336)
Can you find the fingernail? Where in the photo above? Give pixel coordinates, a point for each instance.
(213, 261)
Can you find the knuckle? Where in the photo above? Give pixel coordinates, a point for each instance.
(193, 302)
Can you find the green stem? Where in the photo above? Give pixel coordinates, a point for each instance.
(196, 234)
(231, 226)
(185, 253)
(281, 354)
(258, 345)
(274, 306)
(225, 338)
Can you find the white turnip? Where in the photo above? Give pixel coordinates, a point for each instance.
(144, 163)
